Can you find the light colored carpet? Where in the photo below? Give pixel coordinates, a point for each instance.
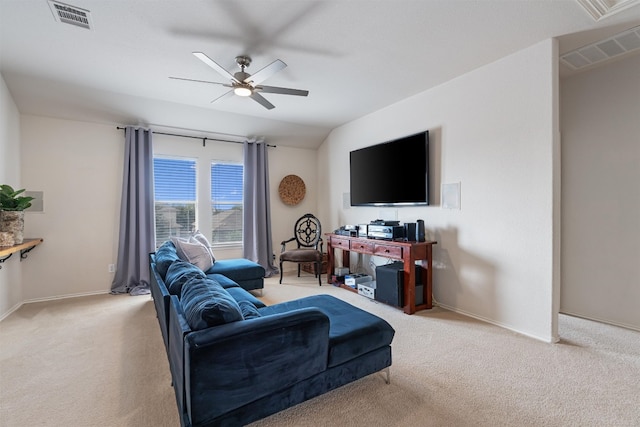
(100, 361)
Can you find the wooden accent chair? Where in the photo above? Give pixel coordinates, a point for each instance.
(307, 233)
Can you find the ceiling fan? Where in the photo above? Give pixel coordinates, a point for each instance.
(245, 84)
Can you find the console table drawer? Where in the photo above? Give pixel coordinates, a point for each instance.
(337, 242)
(388, 251)
(362, 247)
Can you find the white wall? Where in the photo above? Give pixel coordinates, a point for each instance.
(601, 193)
(78, 166)
(495, 131)
(11, 271)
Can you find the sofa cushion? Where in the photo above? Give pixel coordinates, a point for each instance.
(239, 294)
(178, 274)
(165, 256)
(238, 269)
(205, 303)
(249, 311)
(223, 280)
(352, 331)
(194, 251)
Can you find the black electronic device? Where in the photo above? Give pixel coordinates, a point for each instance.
(410, 233)
(384, 222)
(392, 173)
(421, 237)
(390, 284)
(342, 231)
(385, 232)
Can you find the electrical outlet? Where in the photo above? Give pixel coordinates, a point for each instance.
(111, 268)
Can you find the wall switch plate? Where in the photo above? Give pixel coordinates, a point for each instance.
(111, 268)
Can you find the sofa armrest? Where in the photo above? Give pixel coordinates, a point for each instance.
(232, 365)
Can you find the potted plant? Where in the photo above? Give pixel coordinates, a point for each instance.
(12, 206)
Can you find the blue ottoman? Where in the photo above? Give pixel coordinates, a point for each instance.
(352, 331)
(248, 274)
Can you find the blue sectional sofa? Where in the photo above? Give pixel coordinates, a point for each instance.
(234, 360)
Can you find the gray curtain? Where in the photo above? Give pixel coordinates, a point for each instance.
(258, 245)
(136, 239)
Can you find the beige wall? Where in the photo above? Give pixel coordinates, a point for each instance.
(601, 194)
(494, 130)
(78, 167)
(11, 271)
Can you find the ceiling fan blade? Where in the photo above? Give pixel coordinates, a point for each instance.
(227, 94)
(200, 81)
(211, 63)
(262, 101)
(282, 90)
(266, 72)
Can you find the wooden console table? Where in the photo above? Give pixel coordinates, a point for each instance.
(408, 252)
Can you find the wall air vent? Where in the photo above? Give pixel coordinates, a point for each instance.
(68, 14)
(603, 50)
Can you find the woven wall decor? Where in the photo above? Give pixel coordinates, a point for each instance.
(292, 190)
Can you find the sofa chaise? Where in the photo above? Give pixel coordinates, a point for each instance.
(234, 360)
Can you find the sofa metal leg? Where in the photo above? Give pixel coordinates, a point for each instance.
(388, 375)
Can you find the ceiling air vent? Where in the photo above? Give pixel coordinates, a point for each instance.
(600, 9)
(603, 50)
(68, 14)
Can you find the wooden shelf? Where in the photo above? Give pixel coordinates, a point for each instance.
(26, 246)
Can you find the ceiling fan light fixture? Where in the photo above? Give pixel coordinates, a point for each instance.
(242, 91)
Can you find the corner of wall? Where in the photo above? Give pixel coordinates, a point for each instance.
(11, 273)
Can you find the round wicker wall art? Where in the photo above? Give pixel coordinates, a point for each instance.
(292, 190)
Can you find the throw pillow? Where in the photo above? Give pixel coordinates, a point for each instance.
(165, 256)
(249, 311)
(199, 237)
(194, 252)
(205, 303)
(178, 274)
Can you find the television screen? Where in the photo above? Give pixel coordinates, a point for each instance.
(392, 173)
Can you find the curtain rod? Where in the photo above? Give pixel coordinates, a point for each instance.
(203, 138)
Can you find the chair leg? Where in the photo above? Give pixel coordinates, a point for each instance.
(281, 272)
(318, 273)
(298, 269)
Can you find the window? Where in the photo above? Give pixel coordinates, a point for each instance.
(181, 182)
(226, 203)
(175, 197)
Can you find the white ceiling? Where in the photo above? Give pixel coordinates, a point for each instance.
(354, 56)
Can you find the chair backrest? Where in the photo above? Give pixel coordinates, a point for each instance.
(307, 231)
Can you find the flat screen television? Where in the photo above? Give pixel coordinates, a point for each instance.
(393, 173)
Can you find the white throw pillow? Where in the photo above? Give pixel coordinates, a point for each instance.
(193, 251)
(198, 236)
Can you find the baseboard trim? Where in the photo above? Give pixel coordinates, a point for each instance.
(608, 322)
(549, 340)
(58, 297)
(54, 298)
(11, 310)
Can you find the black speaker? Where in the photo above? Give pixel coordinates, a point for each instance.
(410, 231)
(389, 284)
(420, 231)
